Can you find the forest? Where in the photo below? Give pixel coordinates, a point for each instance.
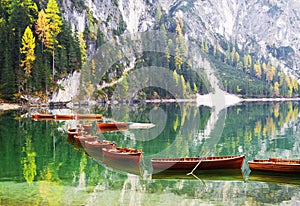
(39, 47)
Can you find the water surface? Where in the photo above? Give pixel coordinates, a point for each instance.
(41, 166)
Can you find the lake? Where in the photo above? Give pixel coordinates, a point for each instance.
(40, 165)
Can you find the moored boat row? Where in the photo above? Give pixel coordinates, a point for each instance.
(226, 162)
(39, 116)
(108, 150)
(100, 149)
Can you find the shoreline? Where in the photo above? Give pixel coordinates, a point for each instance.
(271, 99)
(200, 100)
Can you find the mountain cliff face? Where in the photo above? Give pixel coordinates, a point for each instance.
(268, 28)
(262, 27)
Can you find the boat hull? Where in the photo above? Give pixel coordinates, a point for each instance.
(133, 158)
(275, 165)
(82, 139)
(88, 116)
(43, 116)
(207, 163)
(64, 116)
(117, 125)
(94, 148)
(111, 127)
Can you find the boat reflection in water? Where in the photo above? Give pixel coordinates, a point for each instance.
(223, 175)
(274, 177)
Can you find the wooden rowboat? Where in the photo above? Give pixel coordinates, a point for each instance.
(87, 128)
(112, 129)
(39, 116)
(94, 148)
(72, 132)
(206, 163)
(276, 165)
(64, 116)
(123, 154)
(118, 125)
(82, 139)
(88, 116)
(111, 126)
(100, 144)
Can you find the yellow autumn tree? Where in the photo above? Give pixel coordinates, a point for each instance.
(27, 50)
(54, 20)
(42, 28)
(247, 62)
(290, 85)
(276, 89)
(82, 48)
(180, 50)
(257, 69)
(295, 84)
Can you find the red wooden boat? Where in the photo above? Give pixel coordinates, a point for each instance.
(104, 130)
(118, 125)
(100, 144)
(72, 132)
(64, 116)
(82, 139)
(39, 116)
(206, 163)
(88, 116)
(87, 128)
(94, 148)
(123, 154)
(276, 165)
(111, 126)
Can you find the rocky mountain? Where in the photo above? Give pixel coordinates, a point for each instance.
(263, 27)
(268, 28)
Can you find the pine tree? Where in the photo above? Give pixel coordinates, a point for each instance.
(31, 9)
(7, 77)
(7, 81)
